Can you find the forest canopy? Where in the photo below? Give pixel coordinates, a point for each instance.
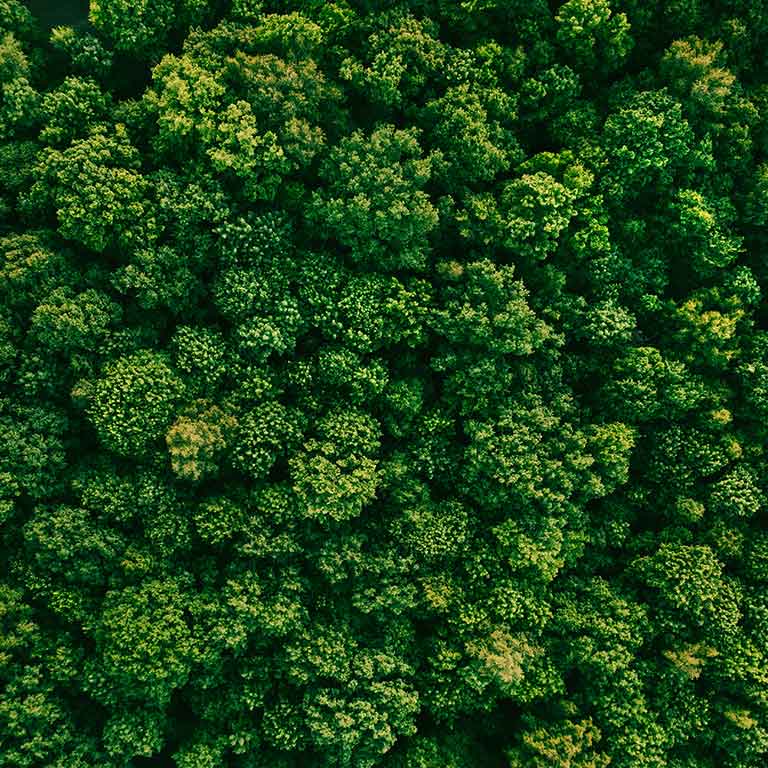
(384, 384)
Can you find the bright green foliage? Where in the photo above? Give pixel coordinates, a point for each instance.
(470, 129)
(65, 323)
(263, 435)
(695, 69)
(690, 582)
(383, 383)
(67, 542)
(142, 27)
(608, 324)
(701, 226)
(435, 531)
(200, 354)
(134, 732)
(159, 278)
(144, 643)
(738, 493)
(400, 59)
(487, 309)
(648, 143)
(364, 703)
(195, 441)
(32, 452)
(134, 401)
(96, 174)
(19, 101)
(87, 54)
(374, 201)
(537, 207)
(336, 474)
(644, 386)
(15, 17)
(186, 99)
(564, 745)
(239, 147)
(72, 110)
(501, 458)
(254, 117)
(31, 268)
(592, 35)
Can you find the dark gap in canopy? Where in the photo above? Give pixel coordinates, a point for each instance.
(58, 13)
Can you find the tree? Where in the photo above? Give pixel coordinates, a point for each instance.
(263, 435)
(19, 101)
(86, 54)
(702, 227)
(195, 441)
(142, 28)
(400, 59)
(476, 145)
(144, 643)
(694, 69)
(134, 401)
(64, 322)
(486, 307)
(72, 110)
(564, 744)
(649, 143)
(336, 474)
(94, 188)
(384, 384)
(373, 201)
(358, 700)
(645, 386)
(690, 580)
(592, 35)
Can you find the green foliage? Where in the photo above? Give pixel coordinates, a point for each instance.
(31, 269)
(400, 59)
(145, 646)
(142, 28)
(701, 224)
(373, 200)
(592, 35)
(690, 582)
(384, 383)
(201, 355)
(537, 208)
(644, 386)
(32, 451)
(486, 308)
(134, 401)
(160, 278)
(336, 474)
(72, 110)
(648, 143)
(195, 441)
(565, 745)
(19, 101)
(263, 435)
(66, 323)
(94, 188)
(85, 52)
(695, 69)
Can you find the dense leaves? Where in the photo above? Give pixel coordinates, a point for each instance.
(384, 383)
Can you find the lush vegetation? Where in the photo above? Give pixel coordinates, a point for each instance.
(384, 384)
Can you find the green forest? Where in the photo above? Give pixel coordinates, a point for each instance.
(384, 384)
